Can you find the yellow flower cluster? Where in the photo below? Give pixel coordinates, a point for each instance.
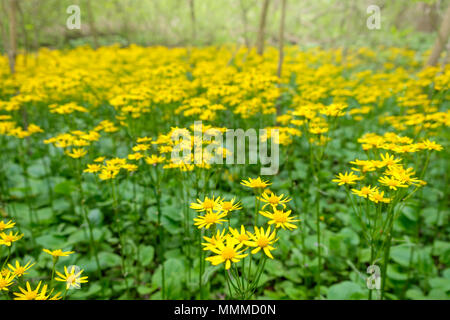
(393, 177)
(230, 247)
(398, 144)
(109, 169)
(10, 128)
(11, 274)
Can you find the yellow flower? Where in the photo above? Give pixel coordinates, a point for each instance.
(379, 197)
(130, 167)
(135, 156)
(255, 183)
(6, 280)
(77, 153)
(346, 178)
(209, 219)
(107, 174)
(280, 218)
(154, 159)
(243, 236)
(92, 168)
(207, 204)
(8, 239)
(392, 183)
(58, 253)
(30, 294)
(140, 147)
(44, 296)
(365, 191)
(404, 176)
(214, 240)
(7, 225)
(72, 278)
(99, 159)
(228, 206)
(19, 270)
(389, 160)
(227, 252)
(272, 199)
(144, 139)
(263, 240)
(318, 130)
(431, 145)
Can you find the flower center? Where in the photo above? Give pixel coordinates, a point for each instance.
(208, 204)
(31, 295)
(273, 199)
(20, 271)
(211, 218)
(228, 253)
(263, 242)
(279, 217)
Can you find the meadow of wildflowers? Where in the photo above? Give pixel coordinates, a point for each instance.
(93, 204)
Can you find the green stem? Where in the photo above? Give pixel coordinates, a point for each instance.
(122, 246)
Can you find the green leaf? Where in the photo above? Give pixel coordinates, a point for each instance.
(437, 294)
(109, 259)
(146, 254)
(415, 294)
(350, 236)
(65, 187)
(401, 255)
(410, 213)
(36, 170)
(395, 274)
(446, 273)
(346, 290)
(440, 283)
(51, 242)
(44, 214)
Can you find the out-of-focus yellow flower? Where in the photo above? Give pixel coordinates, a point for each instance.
(77, 153)
(346, 178)
(257, 183)
(8, 239)
(8, 225)
(19, 270)
(58, 253)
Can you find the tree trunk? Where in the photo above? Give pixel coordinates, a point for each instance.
(441, 40)
(244, 11)
(262, 27)
(4, 34)
(36, 26)
(125, 30)
(24, 35)
(281, 38)
(12, 48)
(91, 21)
(427, 16)
(193, 23)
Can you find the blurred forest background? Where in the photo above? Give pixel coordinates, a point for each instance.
(325, 23)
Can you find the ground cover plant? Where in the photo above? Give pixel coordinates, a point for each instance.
(94, 206)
